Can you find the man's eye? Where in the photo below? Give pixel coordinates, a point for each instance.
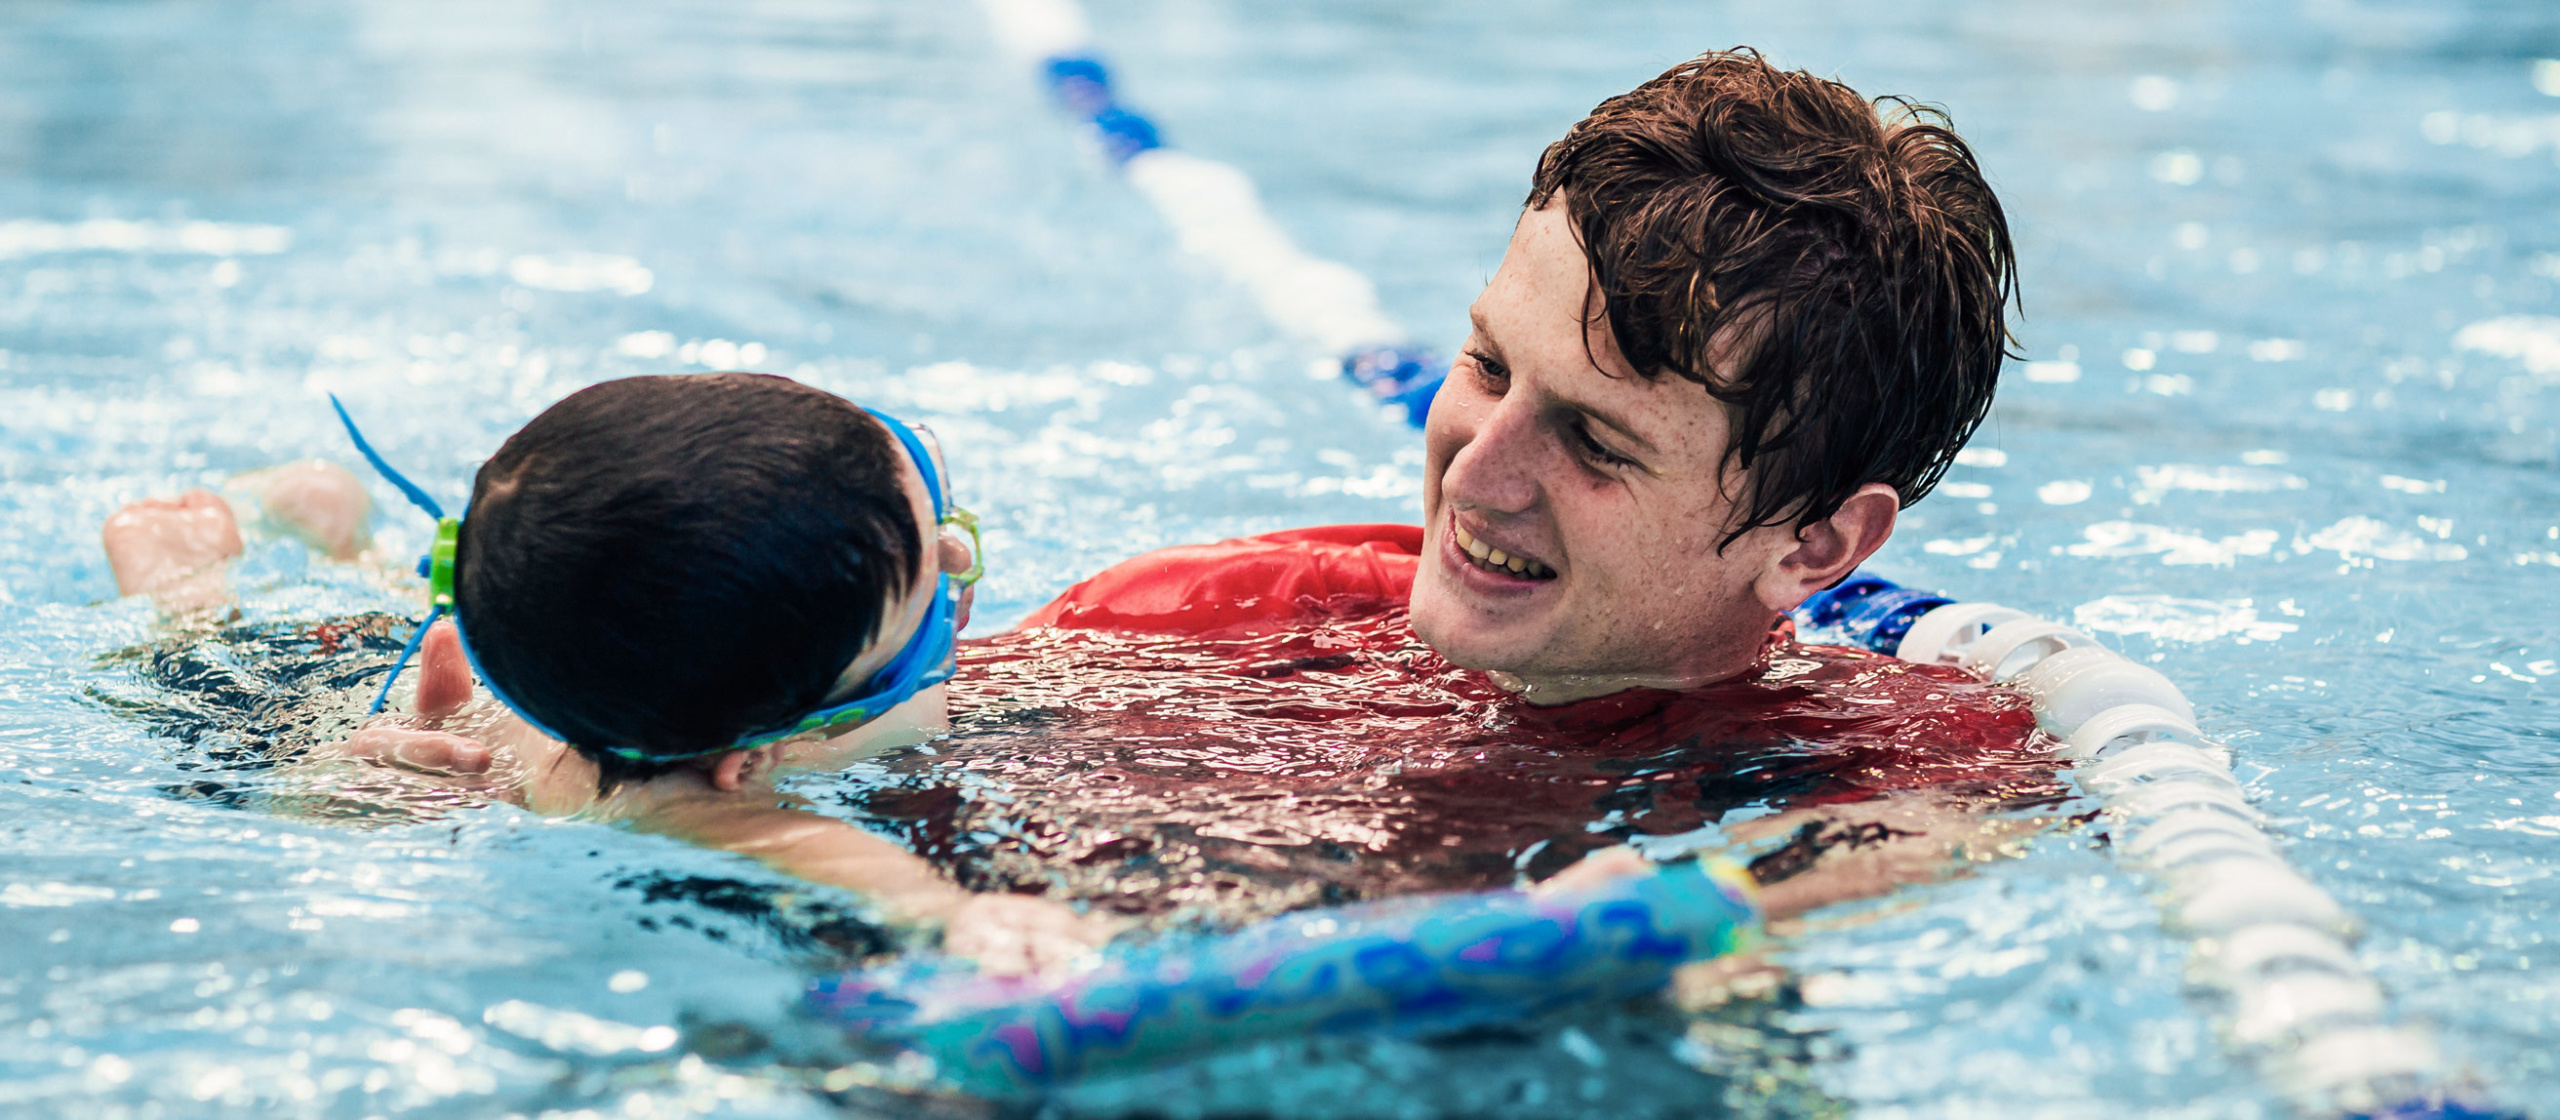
(1488, 367)
(1596, 451)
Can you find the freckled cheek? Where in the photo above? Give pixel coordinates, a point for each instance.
(1605, 537)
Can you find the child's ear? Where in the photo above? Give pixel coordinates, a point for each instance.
(736, 768)
(731, 770)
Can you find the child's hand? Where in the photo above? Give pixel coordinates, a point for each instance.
(417, 750)
(173, 548)
(444, 674)
(316, 500)
(1594, 869)
(1019, 935)
(418, 742)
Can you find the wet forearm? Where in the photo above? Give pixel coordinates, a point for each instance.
(811, 847)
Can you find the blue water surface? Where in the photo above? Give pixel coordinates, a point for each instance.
(2288, 431)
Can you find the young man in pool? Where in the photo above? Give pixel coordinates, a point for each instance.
(696, 580)
(1744, 319)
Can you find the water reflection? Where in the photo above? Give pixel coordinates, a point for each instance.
(1227, 777)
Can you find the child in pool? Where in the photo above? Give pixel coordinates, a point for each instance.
(673, 587)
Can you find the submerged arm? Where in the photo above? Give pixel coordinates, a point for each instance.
(728, 804)
(1832, 854)
(1865, 849)
(1005, 934)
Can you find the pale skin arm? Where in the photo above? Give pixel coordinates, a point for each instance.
(174, 550)
(723, 806)
(726, 802)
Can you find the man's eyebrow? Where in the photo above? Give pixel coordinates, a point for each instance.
(1484, 334)
(1612, 423)
(1483, 331)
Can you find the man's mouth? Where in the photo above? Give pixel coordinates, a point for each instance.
(1495, 560)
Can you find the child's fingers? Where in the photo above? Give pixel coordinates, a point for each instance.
(427, 752)
(317, 500)
(1018, 935)
(444, 675)
(161, 541)
(1700, 985)
(1594, 869)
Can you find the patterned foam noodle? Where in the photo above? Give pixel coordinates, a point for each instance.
(2270, 947)
(1421, 965)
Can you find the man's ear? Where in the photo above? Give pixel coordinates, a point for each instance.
(734, 769)
(1828, 550)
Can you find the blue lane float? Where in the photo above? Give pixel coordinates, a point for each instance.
(1416, 966)
(1083, 85)
(1404, 378)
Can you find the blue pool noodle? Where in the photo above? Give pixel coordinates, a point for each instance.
(1865, 610)
(1423, 965)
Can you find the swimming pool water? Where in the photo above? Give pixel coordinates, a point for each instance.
(2289, 431)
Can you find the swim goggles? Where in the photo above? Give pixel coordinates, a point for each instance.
(927, 659)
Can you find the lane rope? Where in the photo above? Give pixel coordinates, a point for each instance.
(2268, 947)
(1217, 215)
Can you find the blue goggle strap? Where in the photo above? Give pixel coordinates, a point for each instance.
(428, 565)
(915, 450)
(415, 493)
(924, 662)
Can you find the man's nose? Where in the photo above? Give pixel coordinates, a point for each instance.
(1499, 468)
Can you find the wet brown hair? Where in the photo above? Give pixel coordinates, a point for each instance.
(1854, 245)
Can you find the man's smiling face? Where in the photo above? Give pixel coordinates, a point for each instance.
(1572, 510)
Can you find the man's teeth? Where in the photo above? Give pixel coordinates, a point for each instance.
(1487, 556)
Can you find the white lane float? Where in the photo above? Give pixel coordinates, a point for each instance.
(1217, 215)
(2270, 947)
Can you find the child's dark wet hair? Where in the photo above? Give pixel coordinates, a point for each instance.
(669, 563)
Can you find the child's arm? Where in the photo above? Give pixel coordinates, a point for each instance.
(729, 804)
(1006, 934)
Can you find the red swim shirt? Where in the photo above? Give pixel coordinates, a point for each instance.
(1273, 578)
(1234, 729)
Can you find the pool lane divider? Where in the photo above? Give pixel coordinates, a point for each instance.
(2270, 948)
(1421, 965)
(1218, 216)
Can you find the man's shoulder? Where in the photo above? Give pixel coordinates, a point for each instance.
(1272, 577)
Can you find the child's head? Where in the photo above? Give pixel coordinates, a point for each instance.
(667, 564)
